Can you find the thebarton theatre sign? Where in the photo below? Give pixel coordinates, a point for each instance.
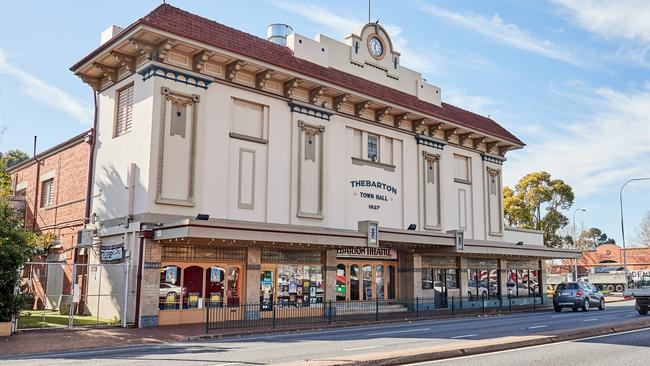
(366, 252)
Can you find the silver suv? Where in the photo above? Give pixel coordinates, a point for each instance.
(576, 295)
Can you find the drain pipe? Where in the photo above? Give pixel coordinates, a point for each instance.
(36, 189)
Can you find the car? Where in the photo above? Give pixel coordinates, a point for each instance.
(169, 289)
(473, 291)
(577, 295)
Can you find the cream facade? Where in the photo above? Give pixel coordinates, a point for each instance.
(311, 160)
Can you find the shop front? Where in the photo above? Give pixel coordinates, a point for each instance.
(440, 279)
(366, 273)
(193, 277)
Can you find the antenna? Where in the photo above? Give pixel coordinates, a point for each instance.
(368, 11)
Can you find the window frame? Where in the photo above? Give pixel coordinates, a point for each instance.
(49, 202)
(468, 168)
(118, 92)
(377, 147)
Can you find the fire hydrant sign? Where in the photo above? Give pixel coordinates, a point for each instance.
(111, 253)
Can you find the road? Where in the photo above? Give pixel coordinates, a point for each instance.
(629, 349)
(314, 345)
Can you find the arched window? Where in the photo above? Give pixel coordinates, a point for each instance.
(170, 291)
(234, 283)
(215, 279)
(193, 286)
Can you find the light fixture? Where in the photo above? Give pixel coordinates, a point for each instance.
(520, 243)
(202, 217)
(412, 227)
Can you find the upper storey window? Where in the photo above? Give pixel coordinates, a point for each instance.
(248, 119)
(124, 112)
(373, 147)
(47, 193)
(462, 169)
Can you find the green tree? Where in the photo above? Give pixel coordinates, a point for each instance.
(13, 157)
(5, 180)
(16, 247)
(593, 237)
(535, 203)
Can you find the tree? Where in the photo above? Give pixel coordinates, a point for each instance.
(16, 247)
(536, 193)
(593, 237)
(13, 157)
(642, 237)
(5, 180)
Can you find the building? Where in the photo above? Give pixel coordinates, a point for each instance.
(234, 169)
(51, 191)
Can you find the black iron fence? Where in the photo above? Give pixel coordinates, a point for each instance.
(276, 315)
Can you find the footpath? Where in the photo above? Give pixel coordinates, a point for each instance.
(58, 340)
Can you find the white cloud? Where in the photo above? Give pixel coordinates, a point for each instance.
(628, 19)
(508, 34)
(420, 60)
(592, 154)
(47, 94)
(475, 103)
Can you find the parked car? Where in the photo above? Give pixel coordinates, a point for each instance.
(168, 289)
(577, 295)
(473, 291)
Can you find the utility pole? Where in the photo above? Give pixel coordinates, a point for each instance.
(575, 242)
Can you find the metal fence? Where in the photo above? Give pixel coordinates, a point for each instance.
(272, 316)
(66, 295)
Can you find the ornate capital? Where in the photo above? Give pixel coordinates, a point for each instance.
(310, 130)
(450, 132)
(262, 77)
(290, 86)
(380, 113)
(232, 69)
(339, 100)
(360, 108)
(125, 60)
(429, 157)
(416, 124)
(107, 71)
(477, 142)
(199, 60)
(316, 93)
(463, 137)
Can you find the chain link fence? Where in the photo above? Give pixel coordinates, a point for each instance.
(65, 295)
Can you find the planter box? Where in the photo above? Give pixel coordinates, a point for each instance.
(5, 329)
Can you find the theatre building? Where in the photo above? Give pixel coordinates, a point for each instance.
(292, 171)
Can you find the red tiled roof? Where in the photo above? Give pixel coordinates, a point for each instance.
(182, 23)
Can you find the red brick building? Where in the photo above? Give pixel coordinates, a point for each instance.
(50, 190)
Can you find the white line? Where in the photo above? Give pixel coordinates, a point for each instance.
(464, 336)
(537, 326)
(360, 348)
(519, 349)
(591, 320)
(629, 315)
(399, 331)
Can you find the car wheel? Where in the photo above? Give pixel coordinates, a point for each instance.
(574, 309)
(610, 288)
(557, 309)
(620, 288)
(601, 305)
(586, 306)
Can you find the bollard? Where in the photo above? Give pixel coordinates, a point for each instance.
(417, 307)
(452, 306)
(483, 302)
(377, 309)
(329, 313)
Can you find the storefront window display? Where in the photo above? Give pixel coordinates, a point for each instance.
(341, 288)
(299, 285)
(354, 282)
(193, 285)
(367, 282)
(379, 281)
(439, 273)
(170, 292)
(215, 278)
(523, 279)
(234, 284)
(482, 278)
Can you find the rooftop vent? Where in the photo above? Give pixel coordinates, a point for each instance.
(277, 33)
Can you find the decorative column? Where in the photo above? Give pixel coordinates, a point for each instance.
(503, 278)
(330, 275)
(410, 275)
(462, 277)
(150, 287)
(253, 265)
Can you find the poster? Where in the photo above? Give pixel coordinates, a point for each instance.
(215, 274)
(171, 275)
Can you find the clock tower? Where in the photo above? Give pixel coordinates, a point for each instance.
(371, 47)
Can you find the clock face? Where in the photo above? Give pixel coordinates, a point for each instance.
(375, 47)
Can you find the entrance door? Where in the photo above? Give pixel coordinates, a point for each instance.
(266, 289)
(367, 280)
(440, 287)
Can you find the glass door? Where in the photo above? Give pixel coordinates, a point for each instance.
(440, 287)
(354, 282)
(367, 282)
(266, 289)
(341, 283)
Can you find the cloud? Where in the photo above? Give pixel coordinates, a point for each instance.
(47, 94)
(597, 151)
(508, 34)
(420, 60)
(476, 103)
(629, 19)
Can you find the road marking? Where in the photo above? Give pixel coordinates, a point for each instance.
(537, 326)
(360, 348)
(591, 320)
(464, 336)
(399, 331)
(523, 348)
(629, 315)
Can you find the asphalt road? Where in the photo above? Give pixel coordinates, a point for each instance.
(629, 349)
(313, 345)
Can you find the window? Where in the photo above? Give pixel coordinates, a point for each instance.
(47, 193)
(373, 147)
(247, 119)
(300, 286)
(461, 165)
(124, 113)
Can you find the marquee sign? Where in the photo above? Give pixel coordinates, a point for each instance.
(366, 252)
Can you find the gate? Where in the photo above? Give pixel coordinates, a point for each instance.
(65, 295)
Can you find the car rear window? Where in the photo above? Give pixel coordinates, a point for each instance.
(567, 286)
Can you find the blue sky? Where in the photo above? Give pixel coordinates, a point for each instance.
(569, 77)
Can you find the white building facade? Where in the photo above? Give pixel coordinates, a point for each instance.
(234, 170)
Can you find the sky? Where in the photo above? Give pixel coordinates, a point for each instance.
(568, 77)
